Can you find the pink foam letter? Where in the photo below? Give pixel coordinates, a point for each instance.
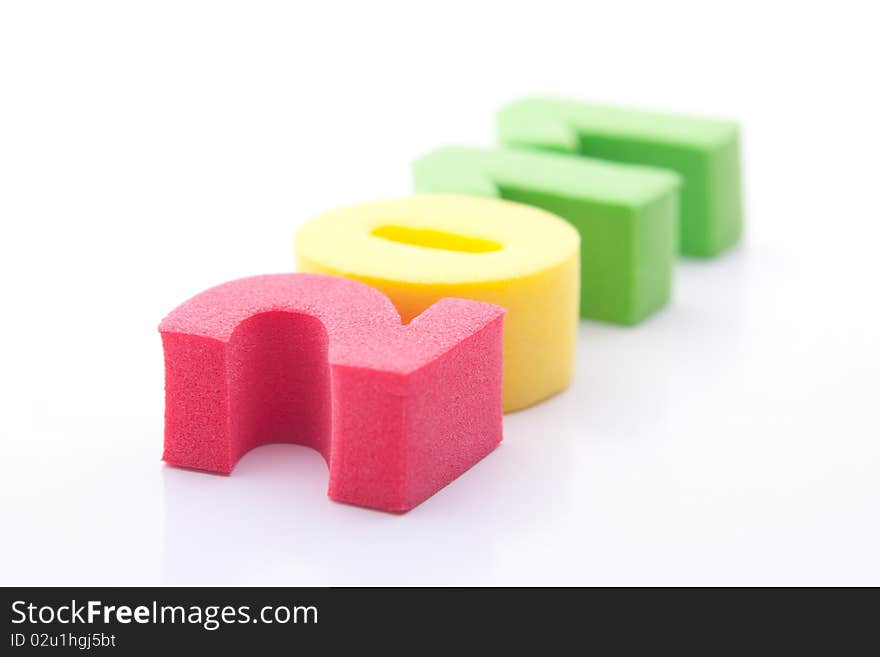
(397, 411)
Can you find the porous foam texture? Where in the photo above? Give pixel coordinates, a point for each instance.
(397, 411)
(426, 247)
(626, 216)
(704, 151)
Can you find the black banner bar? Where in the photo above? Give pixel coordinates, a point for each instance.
(552, 621)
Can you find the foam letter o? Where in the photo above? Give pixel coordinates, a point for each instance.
(423, 248)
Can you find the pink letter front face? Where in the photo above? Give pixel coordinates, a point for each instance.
(397, 411)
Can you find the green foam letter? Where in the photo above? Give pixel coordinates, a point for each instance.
(705, 152)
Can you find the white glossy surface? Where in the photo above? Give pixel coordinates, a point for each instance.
(148, 153)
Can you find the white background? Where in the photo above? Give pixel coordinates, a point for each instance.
(150, 150)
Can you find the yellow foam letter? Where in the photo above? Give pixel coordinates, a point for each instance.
(420, 249)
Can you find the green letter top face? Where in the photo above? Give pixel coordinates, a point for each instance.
(627, 216)
(705, 152)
